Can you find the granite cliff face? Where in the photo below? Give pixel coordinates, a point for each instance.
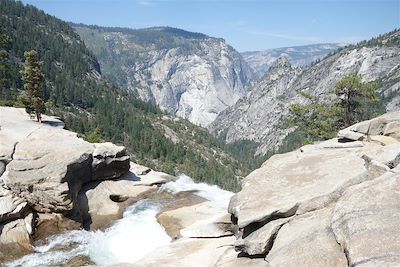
(259, 116)
(298, 56)
(190, 75)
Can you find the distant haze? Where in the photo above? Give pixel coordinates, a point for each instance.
(247, 25)
(298, 56)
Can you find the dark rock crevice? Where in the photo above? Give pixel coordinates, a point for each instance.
(254, 226)
(13, 151)
(343, 247)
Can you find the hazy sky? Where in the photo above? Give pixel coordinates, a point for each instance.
(245, 24)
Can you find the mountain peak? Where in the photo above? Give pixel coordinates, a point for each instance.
(278, 68)
(281, 62)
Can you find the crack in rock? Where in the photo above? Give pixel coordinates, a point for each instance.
(344, 249)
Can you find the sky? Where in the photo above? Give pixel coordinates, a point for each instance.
(247, 25)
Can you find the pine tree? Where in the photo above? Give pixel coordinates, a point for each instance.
(4, 68)
(33, 78)
(321, 119)
(353, 95)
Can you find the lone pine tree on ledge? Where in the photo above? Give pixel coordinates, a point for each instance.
(351, 101)
(33, 78)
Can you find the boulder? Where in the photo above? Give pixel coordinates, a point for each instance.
(138, 169)
(388, 124)
(142, 175)
(294, 183)
(10, 208)
(109, 161)
(260, 241)
(366, 222)
(17, 233)
(188, 252)
(48, 169)
(393, 129)
(103, 202)
(350, 135)
(307, 240)
(383, 140)
(388, 155)
(53, 223)
(206, 219)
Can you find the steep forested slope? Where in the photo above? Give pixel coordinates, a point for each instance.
(76, 91)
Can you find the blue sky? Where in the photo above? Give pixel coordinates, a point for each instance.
(245, 24)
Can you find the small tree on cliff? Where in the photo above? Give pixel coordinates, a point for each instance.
(33, 78)
(353, 96)
(4, 68)
(322, 119)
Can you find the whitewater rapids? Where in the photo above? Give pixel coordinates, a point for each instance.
(128, 240)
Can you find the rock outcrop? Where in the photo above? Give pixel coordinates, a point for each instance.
(187, 74)
(45, 169)
(260, 116)
(103, 202)
(109, 161)
(327, 204)
(49, 165)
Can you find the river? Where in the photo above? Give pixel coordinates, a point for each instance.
(128, 240)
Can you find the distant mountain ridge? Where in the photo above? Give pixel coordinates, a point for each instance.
(260, 116)
(187, 74)
(298, 56)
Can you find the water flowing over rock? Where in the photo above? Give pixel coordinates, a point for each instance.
(324, 204)
(104, 202)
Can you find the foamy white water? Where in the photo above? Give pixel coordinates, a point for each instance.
(128, 240)
(131, 238)
(211, 192)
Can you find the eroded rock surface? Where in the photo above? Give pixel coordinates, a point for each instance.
(203, 220)
(386, 125)
(109, 161)
(189, 252)
(48, 169)
(307, 240)
(104, 202)
(334, 203)
(43, 168)
(48, 165)
(294, 183)
(366, 222)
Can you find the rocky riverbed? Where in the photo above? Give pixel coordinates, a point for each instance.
(334, 203)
